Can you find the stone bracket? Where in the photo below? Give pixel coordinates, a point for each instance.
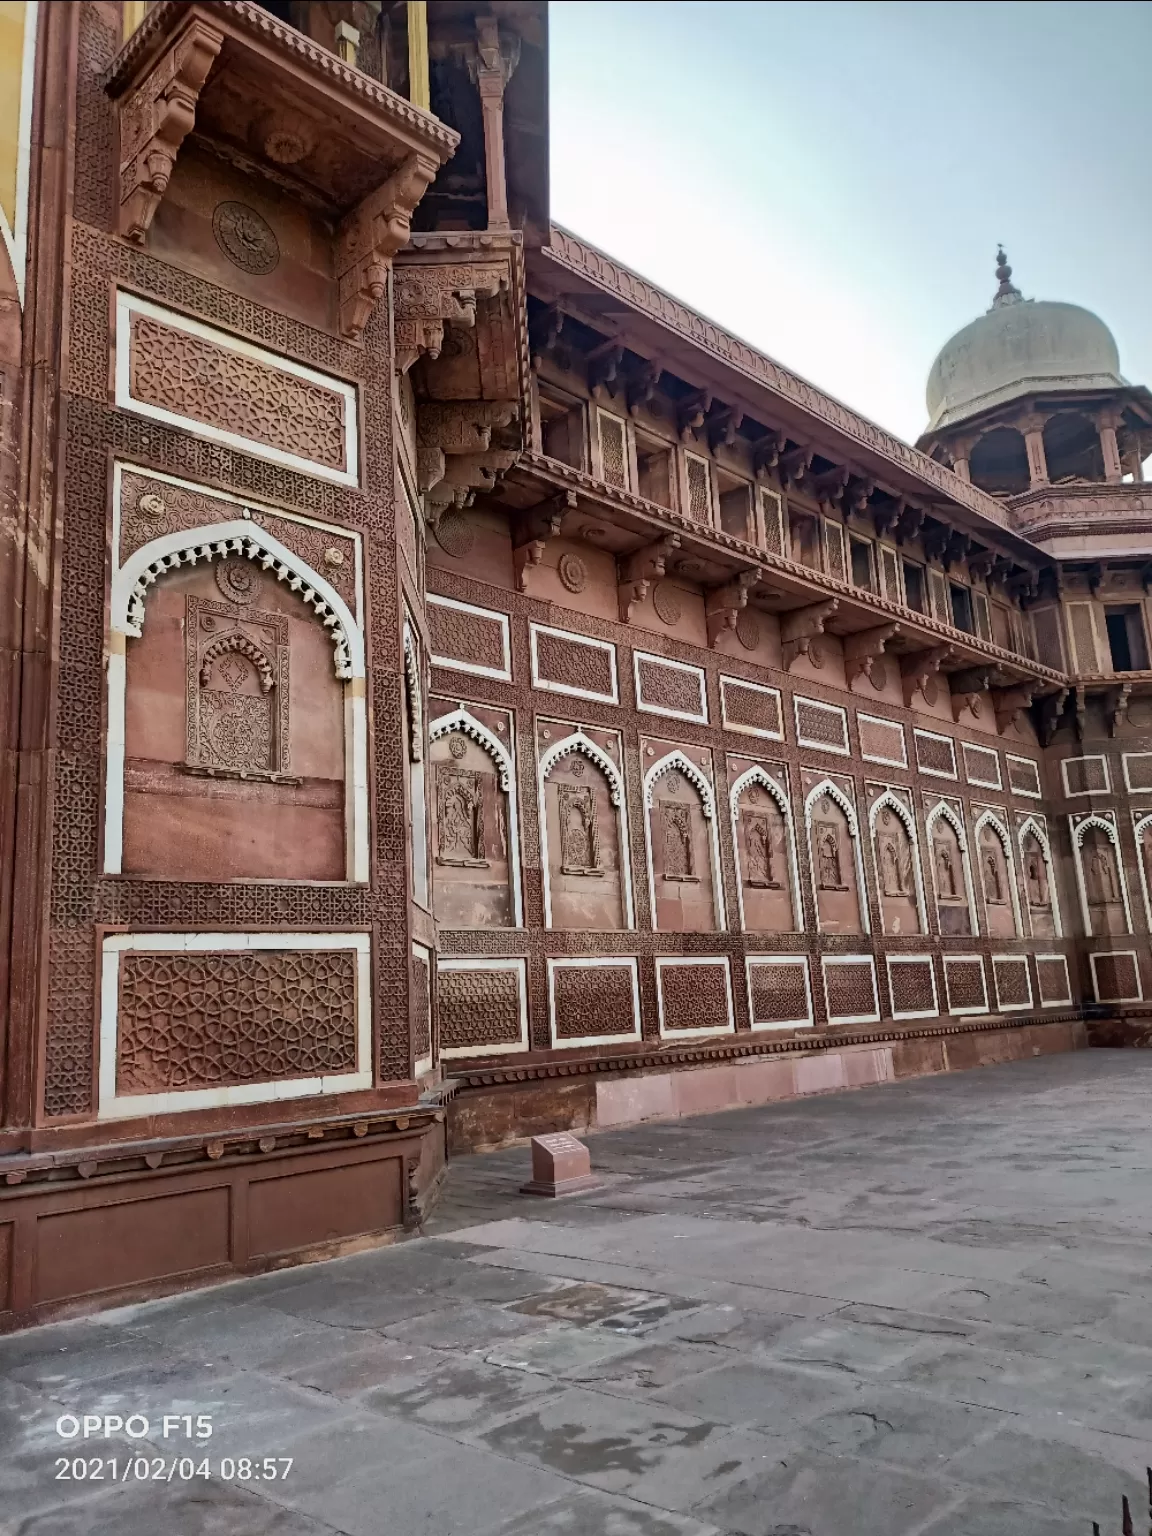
(532, 531)
(862, 650)
(799, 628)
(920, 669)
(723, 605)
(1049, 708)
(426, 297)
(371, 235)
(1117, 707)
(1008, 703)
(638, 571)
(156, 119)
(967, 686)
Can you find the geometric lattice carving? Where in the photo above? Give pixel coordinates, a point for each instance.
(477, 641)
(190, 376)
(479, 1008)
(665, 686)
(1012, 982)
(694, 997)
(1085, 775)
(202, 1020)
(882, 741)
(1023, 775)
(821, 725)
(912, 984)
(750, 708)
(1138, 770)
(571, 665)
(851, 989)
(935, 754)
(1052, 972)
(981, 766)
(593, 1000)
(779, 990)
(1116, 977)
(967, 992)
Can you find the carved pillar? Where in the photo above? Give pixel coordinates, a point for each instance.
(961, 457)
(493, 71)
(1033, 430)
(1110, 448)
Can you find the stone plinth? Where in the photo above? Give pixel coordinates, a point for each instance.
(561, 1165)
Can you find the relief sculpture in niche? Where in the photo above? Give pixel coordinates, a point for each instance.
(232, 681)
(952, 911)
(1102, 883)
(1036, 884)
(837, 898)
(585, 870)
(765, 883)
(681, 862)
(894, 855)
(995, 878)
(471, 888)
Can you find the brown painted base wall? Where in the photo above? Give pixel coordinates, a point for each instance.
(483, 1118)
(86, 1240)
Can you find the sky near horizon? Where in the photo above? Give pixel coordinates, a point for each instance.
(830, 179)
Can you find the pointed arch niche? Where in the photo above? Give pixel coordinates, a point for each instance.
(951, 874)
(1100, 876)
(683, 847)
(767, 875)
(898, 881)
(838, 885)
(1039, 881)
(237, 734)
(476, 866)
(583, 837)
(997, 878)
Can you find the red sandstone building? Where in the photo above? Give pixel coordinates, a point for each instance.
(452, 690)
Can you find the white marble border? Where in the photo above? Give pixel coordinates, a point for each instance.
(757, 774)
(1090, 757)
(976, 746)
(754, 962)
(670, 962)
(1024, 794)
(1013, 960)
(128, 305)
(578, 741)
(424, 1063)
(1056, 1002)
(750, 730)
(914, 1013)
(827, 961)
(546, 685)
(1109, 954)
(934, 773)
(113, 1106)
(16, 234)
(501, 674)
(966, 959)
(484, 963)
(600, 963)
(896, 725)
(674, 666)
(829, 709)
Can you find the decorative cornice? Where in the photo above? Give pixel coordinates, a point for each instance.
(611, 276)
(679, 1058)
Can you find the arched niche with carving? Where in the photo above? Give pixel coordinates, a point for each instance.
(766, 872)
(997, 878)
(1103, 897)
(951, 875)
(236, 750)
(897, 866)
(584, 837)
(1142, 831)
(476, 875)
(837, 867)
(683, 849)
(1039, 882)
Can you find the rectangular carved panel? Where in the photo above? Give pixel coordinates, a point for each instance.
(420, 1003)
(694, 998)
(1023, 776)
(1052, 974)
(778, 992)
(204, 1020)
(1049, 639)
(304, 1208)
(1085, 776)
(935, 754)
(220, 386)
(594, 1001)
(750, 708)
(236, 693)
(670, 688)
(563, 663)
(469, 639)
(850, 987)
(1138, 770)
(481, 1009)
(913, 986)
(981, 765)
(967, 990)
(1082, 623)
(882, 741)
(824, 726)
(1116, 977)
(1012, 981)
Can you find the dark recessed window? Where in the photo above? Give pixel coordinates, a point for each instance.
(914, 586)
(861, 563)
(1126, 638)
(961, 607)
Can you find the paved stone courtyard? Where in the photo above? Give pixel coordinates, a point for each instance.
(918, 1308)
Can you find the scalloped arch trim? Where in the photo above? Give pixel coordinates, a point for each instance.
(678, 761)
(578, 742)
(460, 720)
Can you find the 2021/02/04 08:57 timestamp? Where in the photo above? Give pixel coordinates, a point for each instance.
(169, 1469)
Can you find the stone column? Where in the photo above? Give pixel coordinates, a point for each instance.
(1109, 448)
(493, 71)
(1033, 430)
(961, 457)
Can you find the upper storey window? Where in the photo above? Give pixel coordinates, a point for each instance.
(1126, 640)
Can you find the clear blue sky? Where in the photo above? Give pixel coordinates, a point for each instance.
(830, 180)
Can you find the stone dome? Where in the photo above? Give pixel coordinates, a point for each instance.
(1019, 346)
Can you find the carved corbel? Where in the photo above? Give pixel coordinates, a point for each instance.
(956, 548)
(829, 486)
(862, 650)
(1008, 703)
(799, 628)
(723, 605)
(532, 531)
(604, 366)
(1001, 567)
(156, 119)
(918, 672)
(1081, 707)
(967, 687)
(723, 426)
(1047, 713)
(858, 493)
(639, 570)
(1117, 707)
(372, 234)
(1025, 585)
(794, 464)
(641, 386)
(766, 451)
(544, 332)
(909, 524)
(981, 561)
(428, 297)
(886, 515)
(935, 540)
(455, 455)
(690, 413)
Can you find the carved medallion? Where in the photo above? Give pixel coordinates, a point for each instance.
(817, 652)
(879, 674)
(455, 535)
(246, 238)
(577, 769)
(237, 579)
(930, 690)
(573, 573)
(457, 746)
(333, 557)
(748, 630)
(666, 601)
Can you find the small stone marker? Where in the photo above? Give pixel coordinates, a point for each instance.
(561, 1165)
